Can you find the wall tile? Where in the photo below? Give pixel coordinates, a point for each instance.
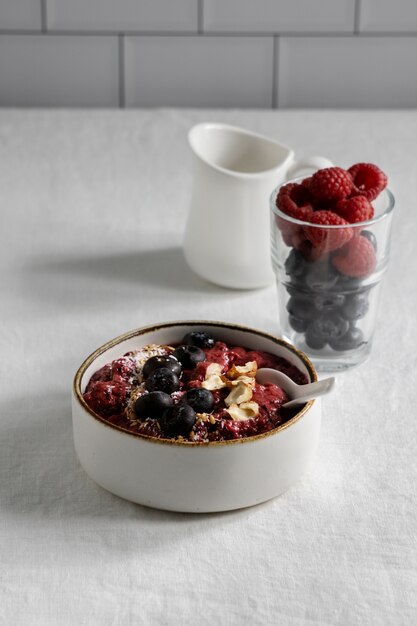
(123, 15)
(347, 72)
(20, 14)
(279, 16)
(388, 15)
(199, 71)
(44, 70)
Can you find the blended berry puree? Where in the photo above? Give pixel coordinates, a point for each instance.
(113, 393)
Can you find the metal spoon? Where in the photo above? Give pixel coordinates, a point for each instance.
(299, 394)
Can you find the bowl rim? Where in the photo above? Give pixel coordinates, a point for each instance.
(155, 327)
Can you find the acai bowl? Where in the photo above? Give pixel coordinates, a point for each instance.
(216, 464)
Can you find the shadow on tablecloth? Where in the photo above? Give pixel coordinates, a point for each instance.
(163, 268)
(42, 481)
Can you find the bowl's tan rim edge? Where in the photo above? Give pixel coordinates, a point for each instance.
(145, 329)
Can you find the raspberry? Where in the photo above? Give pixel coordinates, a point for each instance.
(303, 245)
(328, 239)
(331, 183)
(107, 397)
(357, 259)
(294, 200)
(356, 209)
(288, 230)
(123, 370)
(368, 180)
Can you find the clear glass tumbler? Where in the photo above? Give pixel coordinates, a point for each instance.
(328, 282)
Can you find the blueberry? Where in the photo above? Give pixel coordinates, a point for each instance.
(167, 361)
(152, 404)
(295, 264)
(329, 326)
(162, 379)
(371, 237)
(177, 420)
(321, 277)
(352, 339)
(198, 338)
(189, 356)
(356, 306)
(301, 307)
(201, 400)
(294, 289)
(328, 301)
(347, 283)
(313, 339)
(299, 325)
(308, 251)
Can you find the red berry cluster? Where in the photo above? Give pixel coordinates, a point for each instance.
(333, 197)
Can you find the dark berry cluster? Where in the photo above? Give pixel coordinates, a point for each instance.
(162, 376)
(325, 305)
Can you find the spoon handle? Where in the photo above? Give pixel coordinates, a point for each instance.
(317, 388)
(312, 390)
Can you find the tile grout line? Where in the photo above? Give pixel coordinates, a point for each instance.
(121, 50)
(275, 52)
(356, 17)
(207, 35)
(200, 17)
(44, 16)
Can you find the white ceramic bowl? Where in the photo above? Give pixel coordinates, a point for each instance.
(187, 476)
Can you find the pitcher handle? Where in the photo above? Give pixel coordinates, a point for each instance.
(311, 163)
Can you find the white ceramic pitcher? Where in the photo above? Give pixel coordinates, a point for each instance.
(227, 237)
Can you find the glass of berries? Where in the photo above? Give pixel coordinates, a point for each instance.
(330, 247)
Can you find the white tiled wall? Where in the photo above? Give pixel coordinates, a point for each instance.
(37, 70)
(123, 15)
(350, 71)
(225, 53)
(20, 14)
(199, 71)
(272, 16)
(398, 16)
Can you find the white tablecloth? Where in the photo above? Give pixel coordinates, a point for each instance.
(92, 209)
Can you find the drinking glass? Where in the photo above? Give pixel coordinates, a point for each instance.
(328, 281)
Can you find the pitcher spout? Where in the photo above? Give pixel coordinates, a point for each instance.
(235, 151)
